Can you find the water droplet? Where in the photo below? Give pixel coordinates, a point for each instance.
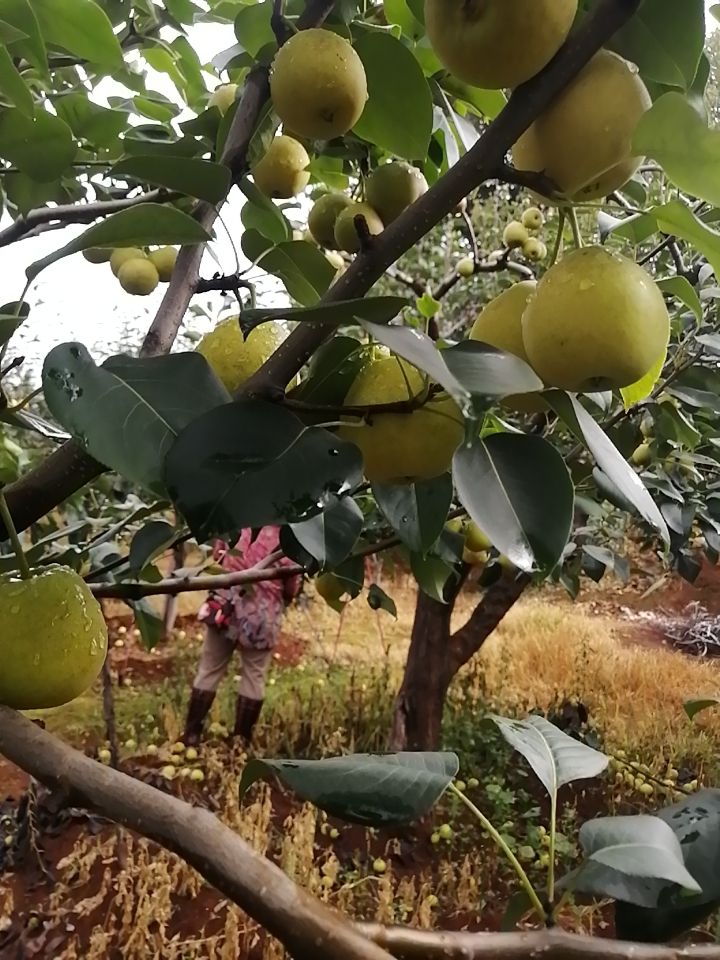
(15, 608)
(586, 285)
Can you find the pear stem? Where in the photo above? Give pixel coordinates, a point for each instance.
(558, 237)
(577, 236)
(13, 537)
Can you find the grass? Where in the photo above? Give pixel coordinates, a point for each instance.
(118, 890)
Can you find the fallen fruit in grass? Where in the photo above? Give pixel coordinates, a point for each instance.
(473, 783)
(379, 866)
(151, 750)
(130, 744)
(191, 754)
(53, 638)
(168, 772)
(435, 838)
(104, 755)
(445, 831)
(178, 747)
(334, 833)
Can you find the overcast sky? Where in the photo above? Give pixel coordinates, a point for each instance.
(74, 300)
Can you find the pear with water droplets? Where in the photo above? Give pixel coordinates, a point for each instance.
(597, 321)
(53, 639)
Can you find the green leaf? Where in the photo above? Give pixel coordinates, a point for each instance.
(89, 121)
(252, 463)
(608, 458)
(149, 542)
(683, 290)
(331, 372)
(694, 707)
(431, 574)
(676, 218)
(621, 850)
(262, 215)
(417, 512)
(127, 412)
(370, 789)
(303, 269)
(19, 14)
(331, 535)
(41, 146)
(398, 116)
(82, 28)
(485, 371)
(145, 224)
(519, 492)
(252, 27)
(641, 390)
(674, 134)
(379, 600)
(13, 86)
(665, 39)
(555, 757)
(149, 624)
(195, 178)
(8, 326)
(368, 309)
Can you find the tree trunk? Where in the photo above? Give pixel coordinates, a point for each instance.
(417, 718)
(435, 656)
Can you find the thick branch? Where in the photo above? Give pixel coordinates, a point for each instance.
(77, 213)
(308, 929)
(408, 944)
(498, 600)
(484, 162)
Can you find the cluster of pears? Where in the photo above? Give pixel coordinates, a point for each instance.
(595, 321)
(390, 189)
(138, 271)
(523, 235)
(319, 90)
(235, 358)
(582, 141)
(53, 638)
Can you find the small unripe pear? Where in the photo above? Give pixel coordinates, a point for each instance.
(346, 234)
(283, 171)
(164, 262)
(533, 219)
(641, 455)
(223, 97)
(515, 234)
(534, 250)
(466, 267)
(138, 277)
(121, 254)
(97, 254)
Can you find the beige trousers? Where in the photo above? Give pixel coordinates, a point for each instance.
(216, 656)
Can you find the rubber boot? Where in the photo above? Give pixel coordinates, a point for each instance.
(247, 712)
(198, 709)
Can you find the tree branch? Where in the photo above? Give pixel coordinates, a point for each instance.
(408, 944)
(65, 214)
(485, 161)
(498, 600)
(307, 928)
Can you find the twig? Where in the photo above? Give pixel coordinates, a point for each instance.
(223, 284)
(306, 927)
(408, 944)
(65, 214)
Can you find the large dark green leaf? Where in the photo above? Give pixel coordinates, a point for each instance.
(379, 310)
(432, 574)
(555, 757)
(149, 542)
(147, 223)
(675, 134)
(195, 178)
(624, 852)
(19, 14)
(41, 146)
(330, 536)
(8, 326)
(148, 622)
(301, 266)
(13, 86)
(608, 458)
(398, 115)
(128, 412)
(251, 463)
(372, 789)
(90, 121)
(519, 492)
(416, 511)
(669, 911)
(80, 27)
(262, 215)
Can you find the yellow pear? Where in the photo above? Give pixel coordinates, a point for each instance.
(318, 84)
(223, 97)
(53, 639)
(138, 277)
(476, 539)
(402, 447)
(497, 43)
(97, 254)
(597, 321)
(346, 235)
(392, 187)
(283, 171)
(500, 325)
(164, 262)
(583, 141)
(322, 218)
(121, 254)
(235, 360)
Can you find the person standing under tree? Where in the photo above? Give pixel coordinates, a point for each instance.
(245, 618)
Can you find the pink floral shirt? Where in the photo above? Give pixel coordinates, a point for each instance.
(251, 614)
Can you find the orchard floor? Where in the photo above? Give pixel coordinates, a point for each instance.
(73, 886)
